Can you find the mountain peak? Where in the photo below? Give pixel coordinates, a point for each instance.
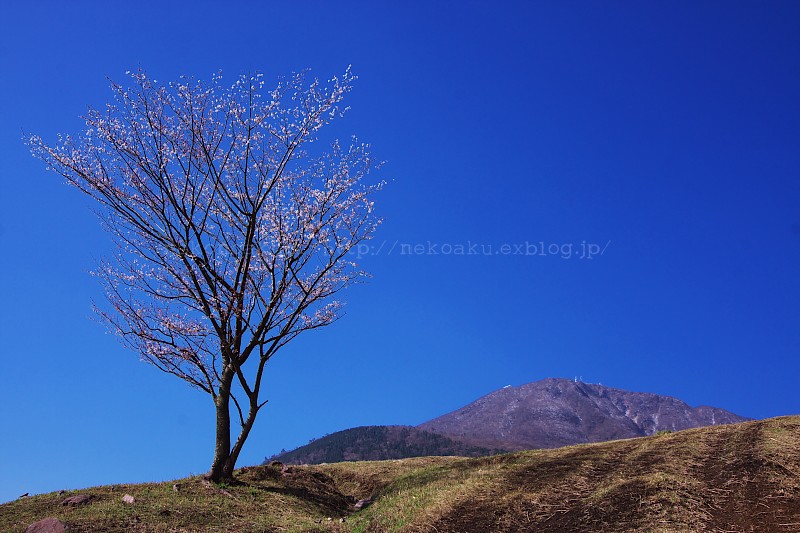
(558, 412)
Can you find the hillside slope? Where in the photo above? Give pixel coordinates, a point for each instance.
(377, 443)
(741, 477)
(560, 412)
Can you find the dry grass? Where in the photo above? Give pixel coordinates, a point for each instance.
(742, 477)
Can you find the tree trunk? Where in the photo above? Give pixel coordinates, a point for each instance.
(222, 467)
(237, 447)
(225, 456)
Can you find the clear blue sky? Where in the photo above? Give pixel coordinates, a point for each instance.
(668, 134)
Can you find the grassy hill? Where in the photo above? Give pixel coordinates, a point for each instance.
(743, 477)
(377, 443)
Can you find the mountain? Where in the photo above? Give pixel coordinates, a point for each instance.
(376, 443)
(560, 412)
(545, 414)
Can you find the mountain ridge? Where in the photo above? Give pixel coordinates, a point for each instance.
(556, 412)
(379, 443)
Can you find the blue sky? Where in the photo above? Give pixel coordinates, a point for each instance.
(666, 135)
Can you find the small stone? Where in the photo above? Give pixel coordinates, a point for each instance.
(47, 525)
(341, 520)
(78, 499)
(128, 499)
(176, 487)
(276, 464)
(360, 504)
(287, 470)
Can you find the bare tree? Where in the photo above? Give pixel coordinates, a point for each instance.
(233, 231)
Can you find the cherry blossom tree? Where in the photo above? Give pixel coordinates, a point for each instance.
(233, 223)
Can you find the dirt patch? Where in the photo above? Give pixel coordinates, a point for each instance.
(553, 495)
(742, 488)
(305, 483)
(721, 481)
